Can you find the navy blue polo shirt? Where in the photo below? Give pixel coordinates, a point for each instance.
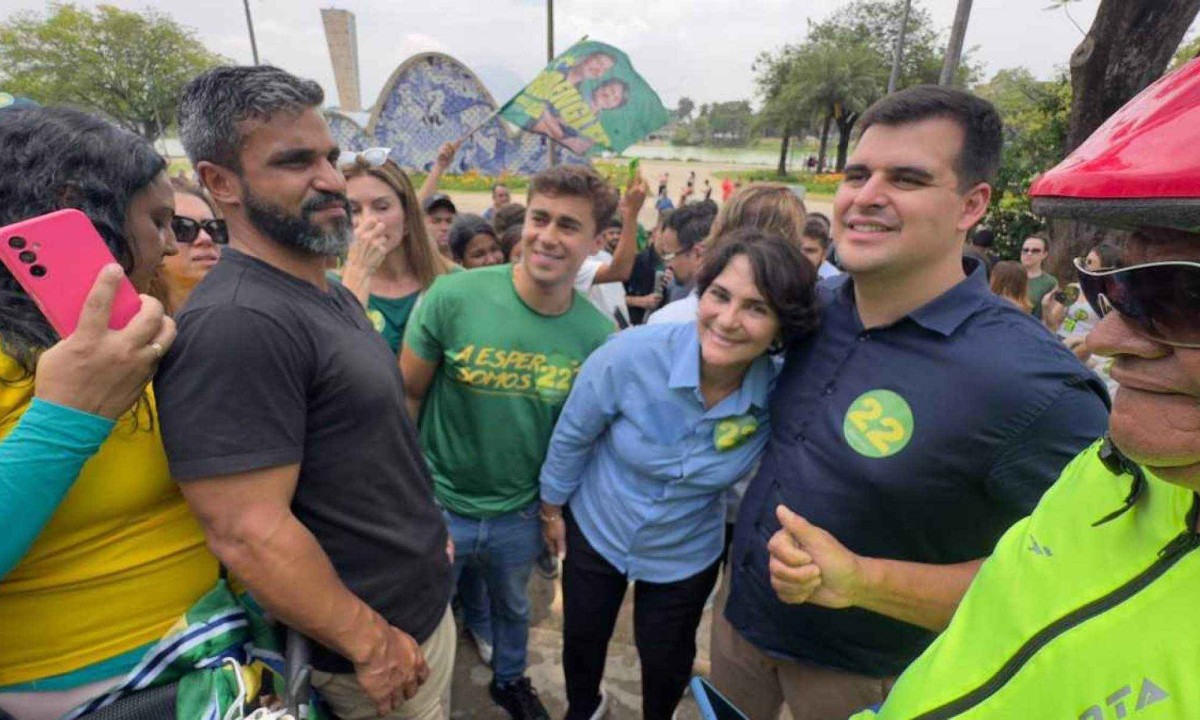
(922, 441)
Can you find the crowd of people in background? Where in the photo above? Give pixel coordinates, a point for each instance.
(355, 403)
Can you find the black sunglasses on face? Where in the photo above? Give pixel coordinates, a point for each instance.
(187, 230)
(1161, 299)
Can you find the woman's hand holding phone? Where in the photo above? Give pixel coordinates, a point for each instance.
(103, 371)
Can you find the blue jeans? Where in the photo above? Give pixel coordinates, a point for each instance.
(476, 607)
(501, 550)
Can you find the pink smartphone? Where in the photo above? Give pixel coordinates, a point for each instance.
(56, 257)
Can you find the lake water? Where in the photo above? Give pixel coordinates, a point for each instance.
(740, 156)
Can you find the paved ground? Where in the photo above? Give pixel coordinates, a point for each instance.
(477, 202)
(622, 676)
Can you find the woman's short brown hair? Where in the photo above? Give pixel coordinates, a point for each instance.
(786, 278)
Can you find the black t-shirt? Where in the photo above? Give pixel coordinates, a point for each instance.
(267, 370)
(641, 281)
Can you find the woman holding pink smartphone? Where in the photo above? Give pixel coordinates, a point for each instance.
(99, 554)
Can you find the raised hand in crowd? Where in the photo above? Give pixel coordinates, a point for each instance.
(634, 197)
(365, 255)
(394, 671)
(104, 371)
(445, 156)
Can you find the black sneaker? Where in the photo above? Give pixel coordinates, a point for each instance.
(519, 700)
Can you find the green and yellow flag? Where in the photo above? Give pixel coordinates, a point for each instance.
(588, 99)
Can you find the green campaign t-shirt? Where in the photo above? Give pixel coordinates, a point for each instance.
(390, 315)
(1037, 289)
(504, 374)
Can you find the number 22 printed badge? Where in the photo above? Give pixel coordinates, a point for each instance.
(878, 424)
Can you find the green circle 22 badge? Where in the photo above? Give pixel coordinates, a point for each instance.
(878, 424)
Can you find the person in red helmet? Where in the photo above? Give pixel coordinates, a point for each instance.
(1085, 609)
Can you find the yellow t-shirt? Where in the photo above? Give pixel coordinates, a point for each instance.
(117, 565)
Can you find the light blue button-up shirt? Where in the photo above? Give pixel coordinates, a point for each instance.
(641, 462)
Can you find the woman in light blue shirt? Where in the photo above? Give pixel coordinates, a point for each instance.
(660, 422)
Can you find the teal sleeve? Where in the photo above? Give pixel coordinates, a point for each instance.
(39, 461)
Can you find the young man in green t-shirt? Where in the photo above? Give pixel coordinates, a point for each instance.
(1034, 251)
(488, 359)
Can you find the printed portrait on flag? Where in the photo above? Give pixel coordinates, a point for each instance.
(589, 99)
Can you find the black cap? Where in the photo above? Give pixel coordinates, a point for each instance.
(439, 200)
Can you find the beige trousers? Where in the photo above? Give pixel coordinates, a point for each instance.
(432, 701)
(759, 684)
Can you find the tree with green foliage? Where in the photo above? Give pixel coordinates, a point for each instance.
(1035, 114)
(730, 123)
(683, 111)
(822, 82)
(1187, 52)
(843, 66)
(876, 24)
(130, 67)
(723, 124)
(783, 110)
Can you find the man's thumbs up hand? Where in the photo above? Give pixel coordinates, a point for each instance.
(810, 565)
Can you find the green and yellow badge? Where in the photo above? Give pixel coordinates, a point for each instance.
(878, 424)
(377, 320)
(731, 432)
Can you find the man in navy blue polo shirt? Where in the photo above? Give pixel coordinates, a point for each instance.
(924, 418)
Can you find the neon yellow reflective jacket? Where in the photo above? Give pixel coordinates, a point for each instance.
(1072, 618)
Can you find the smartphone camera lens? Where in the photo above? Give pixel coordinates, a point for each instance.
(16, 242)
(38, 271)
(28, 257)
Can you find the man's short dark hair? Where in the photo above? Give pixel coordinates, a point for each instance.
(815, 229)
(982, 129)
(577, 181)
(216, 103)
(497, 186)
(982, 237)
(691, 224)
(664, 217)
(507, 216)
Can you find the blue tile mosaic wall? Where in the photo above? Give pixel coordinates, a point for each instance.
(432, 99)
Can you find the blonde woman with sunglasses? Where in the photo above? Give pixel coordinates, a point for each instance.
(391, 261)
(200, 235)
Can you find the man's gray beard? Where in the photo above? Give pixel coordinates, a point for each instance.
(298, 231)
(333, 242)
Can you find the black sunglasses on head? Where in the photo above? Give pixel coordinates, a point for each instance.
(1162, 299)
(187, 230)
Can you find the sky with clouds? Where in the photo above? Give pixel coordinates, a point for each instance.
(699, 48)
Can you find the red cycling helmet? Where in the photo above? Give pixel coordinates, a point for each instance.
(1140, 168)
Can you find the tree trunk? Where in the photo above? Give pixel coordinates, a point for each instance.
(845, 126)
(824, 151)
(783, 150)
(1127, 48)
